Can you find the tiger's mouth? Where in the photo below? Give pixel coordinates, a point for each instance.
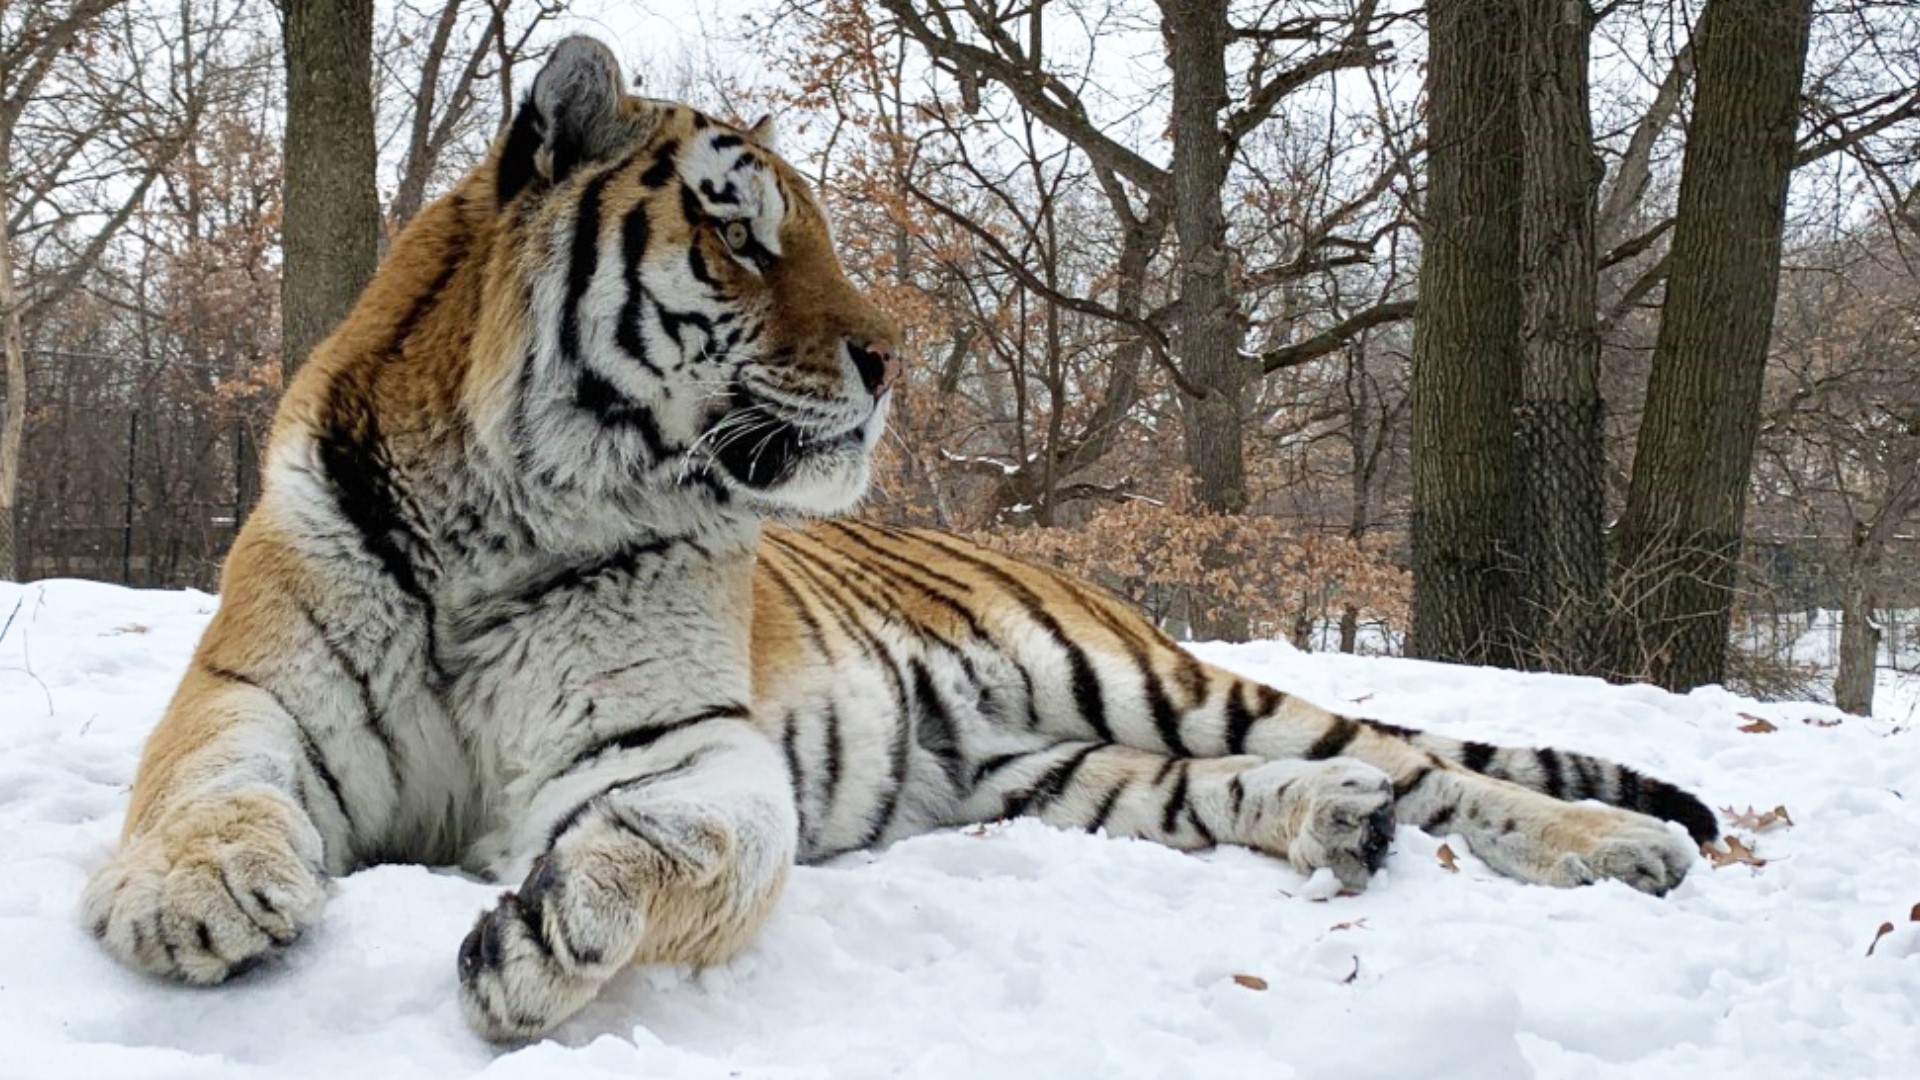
(766, 448)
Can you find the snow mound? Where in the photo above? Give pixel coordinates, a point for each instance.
(1018, 951)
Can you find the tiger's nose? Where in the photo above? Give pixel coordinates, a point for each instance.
(879, 369)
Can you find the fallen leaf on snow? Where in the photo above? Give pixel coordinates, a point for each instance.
(1815, 721)
(1251, 982)
(1756, 725)
(1735, 853)
(1354, 974)
(1885, 929)
(1447, 858)
(1757, 820)
(1357, 924)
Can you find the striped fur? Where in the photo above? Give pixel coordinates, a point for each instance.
(513, 599)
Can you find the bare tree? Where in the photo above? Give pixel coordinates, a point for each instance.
(1466, 346)
(1688, 494)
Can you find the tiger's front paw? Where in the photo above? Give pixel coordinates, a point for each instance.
(1336, 814)
(211, 890)
(544, 951)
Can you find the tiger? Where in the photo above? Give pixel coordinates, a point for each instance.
(553, 579)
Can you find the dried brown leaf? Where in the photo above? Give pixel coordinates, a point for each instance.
(1885, 929)
(1251, 982)
(1734, 853)
(1447, 858)
(1756, 725)
(1757, 820)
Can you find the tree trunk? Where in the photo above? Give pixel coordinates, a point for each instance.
(1209, 329)
(13, 426)
(1466, 351)
(1859, 648)
(1680, 535)
(330, 234)
(1561, 417)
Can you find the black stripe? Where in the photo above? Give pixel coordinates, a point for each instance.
(789, 736)
(853, 576)
(816, 635)
(1236, 795)
(1206, 834)
(1105, 809)
(725, 140)
(1334, 740)
(316, 759)
(900, 572)
(630, 333)
(1176, 800)
(370, 708)
(593, 393)
(662, 168)
(994, 764)
(1394, 730)
(354, 458)
(515, 171)
(580, 809)
(1477, 756)
(1239, 718)
(1586, 777)
(1413, 780)
(1045, 791)
(582, 260)
(1086, 683)
(1166, 718)
(933, 727)
(1439, 819)
(835, 752)
(641, 738)
(1556, 782)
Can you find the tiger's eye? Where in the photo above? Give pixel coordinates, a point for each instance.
(736, 234)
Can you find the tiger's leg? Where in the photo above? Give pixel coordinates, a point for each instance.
(672, 852)
(219, 863)
(1537, 835)
(1335, 814)
(1524, 812)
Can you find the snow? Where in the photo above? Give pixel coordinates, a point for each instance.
(1017, 951)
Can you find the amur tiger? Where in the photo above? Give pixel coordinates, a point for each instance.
(521, 594)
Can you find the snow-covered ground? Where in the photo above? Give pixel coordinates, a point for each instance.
(1017, 951)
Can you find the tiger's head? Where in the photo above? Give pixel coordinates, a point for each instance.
(676, 314)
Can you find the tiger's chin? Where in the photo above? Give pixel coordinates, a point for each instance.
(794, 473)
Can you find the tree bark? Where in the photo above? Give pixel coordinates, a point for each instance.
(1859, 647)
(13, 427)
(1679, 538)
(1209, 329)
(1466, 351)
(1561, 416)
(330, 234)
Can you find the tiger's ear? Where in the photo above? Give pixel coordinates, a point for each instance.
(761, 133)
(573, 115)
